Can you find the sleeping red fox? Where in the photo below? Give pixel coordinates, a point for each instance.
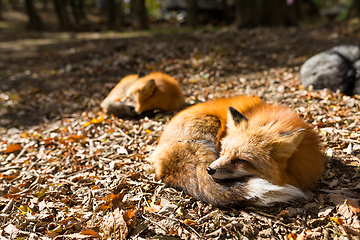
(135, 94)
(237, 151)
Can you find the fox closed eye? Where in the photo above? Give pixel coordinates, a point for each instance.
(239, 161)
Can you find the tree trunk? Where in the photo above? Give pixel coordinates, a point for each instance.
(112, 13)
(35, 22)
(45, 4)
(277, 12)
(265, 12)
(133, 5)
(75, 11)
(191, 10)
(225, 11)
(313, 10)
(238, 14)
(121, 14)
(141, 14)
(81, 9)
(14, 4)
(77, 7)
(246, 13)
(63, 17)
(115, 15)
(1, 7)
(354, 9)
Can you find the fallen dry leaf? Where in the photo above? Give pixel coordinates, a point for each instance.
(114, 225)
(354, 207)
(13, 148)
(90, 233)
(153, 208)
(339, 221)
(12, 230)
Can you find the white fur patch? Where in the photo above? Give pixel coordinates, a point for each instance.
(265, 193)
(229, 121)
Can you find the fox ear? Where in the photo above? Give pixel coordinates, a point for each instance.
(288, 143)
(295, 136)
(236, 117)
(141, 74)
(148, 88)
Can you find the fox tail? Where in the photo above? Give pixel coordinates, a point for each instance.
(183, 165)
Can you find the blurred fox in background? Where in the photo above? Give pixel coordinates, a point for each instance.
(136, 94)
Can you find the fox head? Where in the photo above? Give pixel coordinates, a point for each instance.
(254, 148)
(138, 94)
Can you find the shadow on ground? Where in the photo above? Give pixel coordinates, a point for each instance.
(47, 75)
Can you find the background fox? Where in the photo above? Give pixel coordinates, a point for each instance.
(251, 153)
(135, 94)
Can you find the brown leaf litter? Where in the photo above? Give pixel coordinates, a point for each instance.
(67, 172)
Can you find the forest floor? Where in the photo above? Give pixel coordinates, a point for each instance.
(69, 172)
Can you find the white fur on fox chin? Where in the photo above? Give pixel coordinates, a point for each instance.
(265, 193)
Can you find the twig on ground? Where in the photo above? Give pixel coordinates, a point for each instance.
(22, 152)
(349, 140)
(158, 225)
(177, 220)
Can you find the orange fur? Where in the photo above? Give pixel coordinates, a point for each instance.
(272, 156)
(154, 91)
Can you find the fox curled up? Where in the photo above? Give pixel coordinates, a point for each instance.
(238, 151)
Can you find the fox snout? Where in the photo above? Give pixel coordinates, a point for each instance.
(224, 169)
(121, 109)
(224, 172)
(220, 169)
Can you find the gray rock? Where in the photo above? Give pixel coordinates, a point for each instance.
(336, 68)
